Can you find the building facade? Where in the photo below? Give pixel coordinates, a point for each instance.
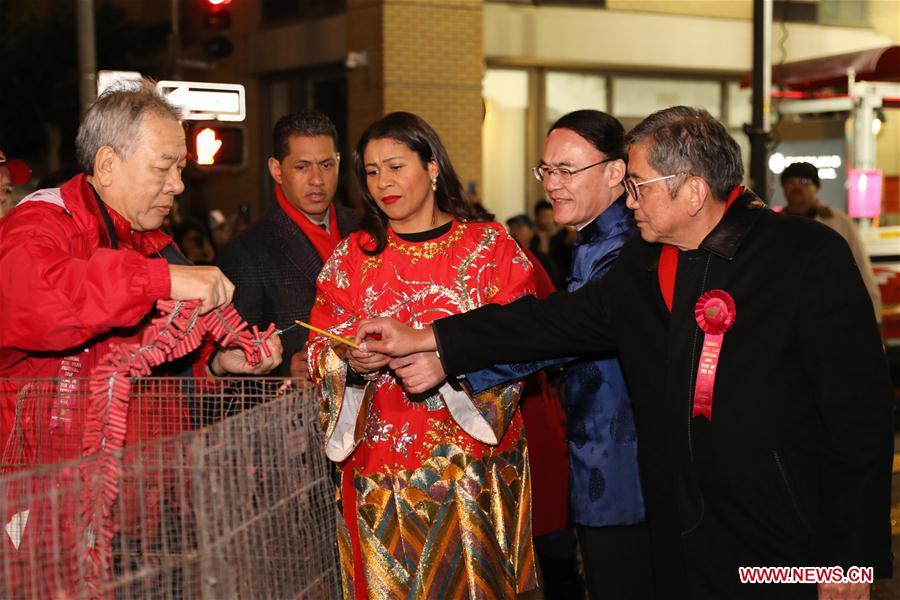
(491, 76)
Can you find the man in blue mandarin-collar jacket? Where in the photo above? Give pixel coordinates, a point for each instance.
(581, 168)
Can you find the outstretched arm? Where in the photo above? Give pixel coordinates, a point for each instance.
(393, 338)
(566, 324)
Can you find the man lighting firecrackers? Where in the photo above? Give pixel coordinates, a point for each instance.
(81, 267)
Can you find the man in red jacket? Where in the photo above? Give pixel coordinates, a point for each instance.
(82, 265)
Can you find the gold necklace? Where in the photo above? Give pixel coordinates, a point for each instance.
(427, 250)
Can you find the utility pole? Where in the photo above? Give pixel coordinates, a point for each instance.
(174, 40)
(87, 54)
(762, 97)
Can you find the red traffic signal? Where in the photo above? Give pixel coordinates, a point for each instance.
(216, 145)
(218, 21)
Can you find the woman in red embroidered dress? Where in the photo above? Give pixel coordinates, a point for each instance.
(435, 492)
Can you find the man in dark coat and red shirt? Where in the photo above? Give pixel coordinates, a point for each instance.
(274, 264)
(766, 439)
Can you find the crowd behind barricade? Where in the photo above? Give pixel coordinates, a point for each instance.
(706, 391)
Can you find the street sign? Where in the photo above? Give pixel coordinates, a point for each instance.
(107, 79)
(204, 101)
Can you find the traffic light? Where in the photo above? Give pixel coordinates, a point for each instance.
(216, 145)
(217, 22)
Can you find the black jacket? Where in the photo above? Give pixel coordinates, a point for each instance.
(274, 267)
(795, 466)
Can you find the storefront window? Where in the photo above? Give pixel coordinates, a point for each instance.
(566, 92)
(637, 97)
(504, 142)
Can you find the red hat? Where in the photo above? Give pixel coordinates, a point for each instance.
(18, 170)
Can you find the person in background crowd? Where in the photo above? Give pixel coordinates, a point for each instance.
(544, 223)
(13, 172)
(220, 227)
(800, 182)
(194, 240)
(276, 261)
(758, 378)
(521, 229)
(435, 489)
(547, 244)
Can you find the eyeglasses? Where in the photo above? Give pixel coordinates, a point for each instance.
(631, 186)
(795, 180)
(542, 172)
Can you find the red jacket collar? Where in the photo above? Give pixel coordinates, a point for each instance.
(146, 243)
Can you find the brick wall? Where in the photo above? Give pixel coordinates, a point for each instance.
(426, 57)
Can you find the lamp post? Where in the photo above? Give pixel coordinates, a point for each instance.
(762, 96)
(87, 54)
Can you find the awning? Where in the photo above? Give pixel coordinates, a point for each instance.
(879, 64)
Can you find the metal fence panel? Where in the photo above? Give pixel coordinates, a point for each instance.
(222, 492)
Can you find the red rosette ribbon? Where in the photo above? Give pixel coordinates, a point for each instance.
(715, 313)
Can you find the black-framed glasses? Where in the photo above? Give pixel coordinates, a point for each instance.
(542, 172)
(632, 186)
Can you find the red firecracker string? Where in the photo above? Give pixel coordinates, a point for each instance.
(178, 330)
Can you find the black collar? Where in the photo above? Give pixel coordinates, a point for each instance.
(726, 237)
(107, 220)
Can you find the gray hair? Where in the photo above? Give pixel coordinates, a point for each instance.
(114, 120)
(689, 140)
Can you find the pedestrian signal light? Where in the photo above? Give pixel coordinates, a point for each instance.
(216, 145)
(208, 146)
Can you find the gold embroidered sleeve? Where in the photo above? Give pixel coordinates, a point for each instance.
(345, 407)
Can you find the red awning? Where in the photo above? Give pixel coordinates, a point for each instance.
(879, 64)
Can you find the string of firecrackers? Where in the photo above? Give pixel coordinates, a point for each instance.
(179, 330)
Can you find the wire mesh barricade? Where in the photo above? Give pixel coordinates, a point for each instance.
(221, 491)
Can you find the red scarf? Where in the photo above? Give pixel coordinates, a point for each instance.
(668, 259)
(323, 241)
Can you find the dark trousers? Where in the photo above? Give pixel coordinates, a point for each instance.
(617, 562)
(557, 553)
